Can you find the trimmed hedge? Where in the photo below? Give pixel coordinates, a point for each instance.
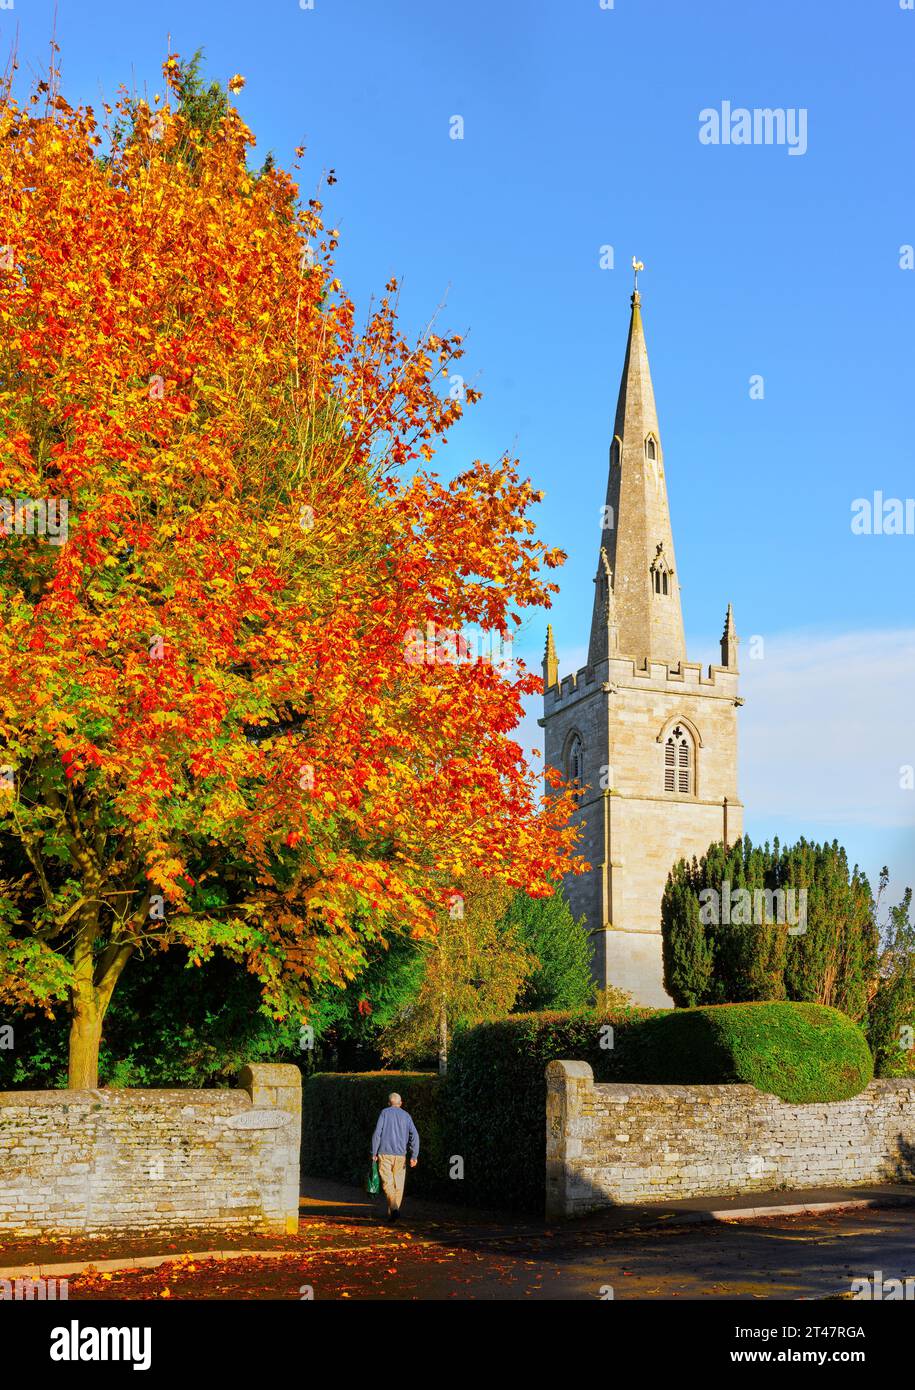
(491, 1108)
(339, 1110)
(495, 1097)
(800, 1052)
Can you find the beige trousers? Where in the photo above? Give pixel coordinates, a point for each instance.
(392, 1170)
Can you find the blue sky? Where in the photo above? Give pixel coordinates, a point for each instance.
(581, 130)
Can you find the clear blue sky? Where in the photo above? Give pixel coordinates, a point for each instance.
(581, 130)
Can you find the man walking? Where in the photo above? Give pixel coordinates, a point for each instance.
(395, 1133)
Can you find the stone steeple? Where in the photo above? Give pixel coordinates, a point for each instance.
(637, 600)
(652, 750)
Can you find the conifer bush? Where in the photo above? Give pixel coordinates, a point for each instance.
(722, 946)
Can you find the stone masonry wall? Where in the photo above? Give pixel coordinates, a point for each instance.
(622, 1144)
(633, 830)
(130, 1160)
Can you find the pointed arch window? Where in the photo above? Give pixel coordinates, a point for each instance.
(576, 764)
(679, 762)
(661, 572)
(651, 448)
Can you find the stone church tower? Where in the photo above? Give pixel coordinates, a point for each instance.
(650, 740)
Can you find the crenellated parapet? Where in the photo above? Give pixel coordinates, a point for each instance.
(649, 675)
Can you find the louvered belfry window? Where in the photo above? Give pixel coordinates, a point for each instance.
(678, 763)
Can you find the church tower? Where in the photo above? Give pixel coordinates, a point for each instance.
(650, 741)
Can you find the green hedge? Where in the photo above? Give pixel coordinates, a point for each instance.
(495, 1097)
(491, 1109)
(339, 1110)
(800, 1052)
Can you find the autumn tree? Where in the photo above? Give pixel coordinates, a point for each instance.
(219, 540)
(473, 969)
(891, 1014)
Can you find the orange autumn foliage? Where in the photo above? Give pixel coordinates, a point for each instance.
(214, 723)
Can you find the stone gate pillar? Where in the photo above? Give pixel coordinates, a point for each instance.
(567, 1085)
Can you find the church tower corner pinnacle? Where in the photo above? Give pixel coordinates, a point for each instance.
(729, 641)
(550, 661)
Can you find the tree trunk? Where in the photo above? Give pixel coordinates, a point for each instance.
(85, 1041)
(443, 1039)
(93, 985)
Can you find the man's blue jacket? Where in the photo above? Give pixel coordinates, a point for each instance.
(393, 1132)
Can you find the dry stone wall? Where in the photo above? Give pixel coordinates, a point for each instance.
(622, 1144)
(132, 1160)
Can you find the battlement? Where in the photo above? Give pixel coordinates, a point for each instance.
(650, 675)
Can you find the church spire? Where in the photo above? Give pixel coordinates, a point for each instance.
(639, 610)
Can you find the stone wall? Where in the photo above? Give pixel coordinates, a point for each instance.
(129, 1160)
(624, 1144)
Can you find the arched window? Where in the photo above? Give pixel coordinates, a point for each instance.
(661, 581)
(661, 573)
(679, 762)
(651, 447)
(576, 768)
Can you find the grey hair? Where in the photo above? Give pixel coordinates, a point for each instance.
(394, 1099)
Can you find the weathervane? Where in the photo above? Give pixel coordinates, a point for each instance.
(637, 266)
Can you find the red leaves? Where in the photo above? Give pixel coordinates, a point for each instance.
(227, 682)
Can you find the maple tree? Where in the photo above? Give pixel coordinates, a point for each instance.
(214, 730)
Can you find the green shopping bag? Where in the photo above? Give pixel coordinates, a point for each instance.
(373, 1182)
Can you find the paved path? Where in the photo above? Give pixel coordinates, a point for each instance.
(437, 1255)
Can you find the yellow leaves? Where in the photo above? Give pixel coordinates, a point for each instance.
(191, 280)
(236, 83)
